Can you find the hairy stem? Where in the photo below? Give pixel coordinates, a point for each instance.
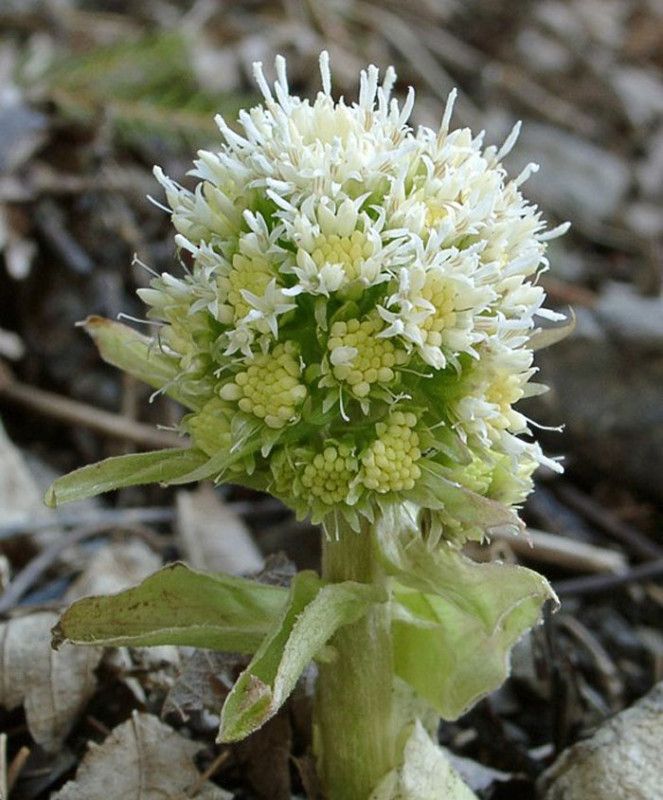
(356, 715)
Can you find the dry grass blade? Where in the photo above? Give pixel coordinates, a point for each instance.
(408, 44)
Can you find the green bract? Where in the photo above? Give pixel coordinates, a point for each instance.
(355, 323)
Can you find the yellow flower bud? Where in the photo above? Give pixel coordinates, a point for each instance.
(269, 387)
(247, 274)
(348, 251)
(441, 294)
(390, 462)
(504, 391)
(359, 359)
(327, 476)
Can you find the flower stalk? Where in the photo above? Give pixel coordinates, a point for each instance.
(357, 720)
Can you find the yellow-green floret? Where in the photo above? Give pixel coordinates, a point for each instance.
(348, 251)
(360, 359)
(269, 387)
(247, 275)
(327, 476)
(389, 464)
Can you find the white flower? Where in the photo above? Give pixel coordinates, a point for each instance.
(338, 245)
(239, 339)
(266, 308)
(438, 305)
(357, 288)
(315, 278)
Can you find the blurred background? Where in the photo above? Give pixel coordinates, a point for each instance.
(93, 94)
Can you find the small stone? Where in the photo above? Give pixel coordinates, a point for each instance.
(621, 760)
(543, 53)
(646, 219)
(630, 316)
(22, 130)
(641, 93)
(649, 171)
(606, 387)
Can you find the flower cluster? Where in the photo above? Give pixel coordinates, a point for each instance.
(356, 314)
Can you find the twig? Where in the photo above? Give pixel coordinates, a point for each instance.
(538, 99)
(129, 404)
(99, 726)
(75, 519)
(559, 691)
(38, 565)
(82, 414)
(566, 292)
(454, 52)
(637, 542)
(52, 224)
(260, 508)
(411, 47)
(3, 767)
(16, 767)
(605, 666)
(594, 584)
(459, 54)
(550, 548)
(555, 516)
(44, 179)
(213, 768)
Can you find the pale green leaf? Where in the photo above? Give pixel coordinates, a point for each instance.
(315, 611)
(455, 621)
(178, 606)
(448, 510)
(139, 355)
(216, 466)
(135, 469)
(426, 774)
(546, 337)
(211, 467)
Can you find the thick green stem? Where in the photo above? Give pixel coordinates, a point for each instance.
(356, 718)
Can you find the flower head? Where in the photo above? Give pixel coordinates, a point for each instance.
(356, 319)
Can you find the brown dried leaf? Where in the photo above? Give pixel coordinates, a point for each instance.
(308, 776)
(114, 568)
(53, 686)
(278, 570)
(265, 759)
(212, 536)
(19, 494)
(204, 683)
(142, 759)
